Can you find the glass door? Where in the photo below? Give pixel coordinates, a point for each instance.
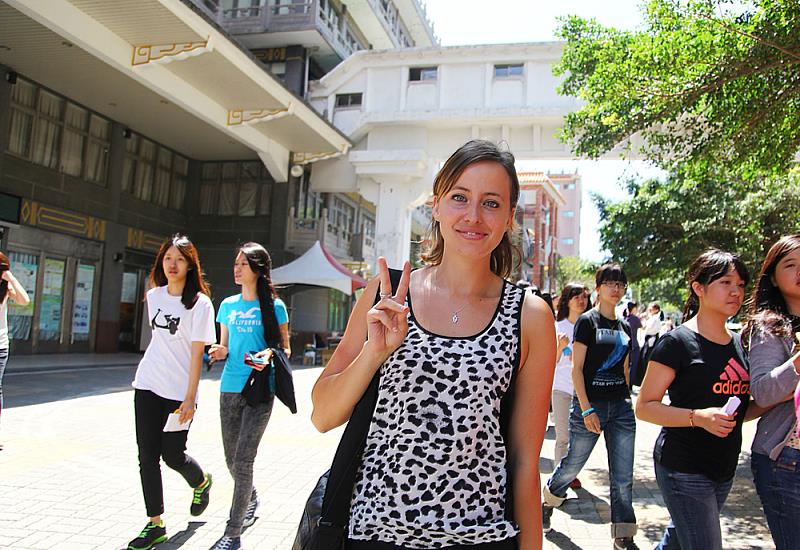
(131, 308)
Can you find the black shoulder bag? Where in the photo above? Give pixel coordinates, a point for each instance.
(323, 525)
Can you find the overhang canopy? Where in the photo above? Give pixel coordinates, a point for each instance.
(318, 268)
(168, 72)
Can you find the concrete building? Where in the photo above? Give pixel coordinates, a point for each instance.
(541, 205)
(569, 223)
(407, 110)
(123, 122)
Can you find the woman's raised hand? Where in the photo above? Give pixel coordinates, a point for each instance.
(387, 320)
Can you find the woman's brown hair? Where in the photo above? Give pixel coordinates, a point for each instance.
(5, 265)
(766, 306)
(195, 282)
(505, 257)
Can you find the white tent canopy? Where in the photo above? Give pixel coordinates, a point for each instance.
(318, 268)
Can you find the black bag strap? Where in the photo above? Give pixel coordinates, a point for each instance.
(339, 491)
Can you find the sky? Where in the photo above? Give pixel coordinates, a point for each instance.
(458, 22)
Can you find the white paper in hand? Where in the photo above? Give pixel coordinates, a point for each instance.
(732, 404)
(174, 423)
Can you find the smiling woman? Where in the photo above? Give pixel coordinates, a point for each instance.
(453, 345)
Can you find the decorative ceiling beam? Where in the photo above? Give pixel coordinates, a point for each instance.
(167, 53)
(237, 117)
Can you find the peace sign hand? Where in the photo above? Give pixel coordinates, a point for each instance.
(387, 320)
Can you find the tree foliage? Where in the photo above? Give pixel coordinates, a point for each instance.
(713, 91)
(700, 83)
(570, 269)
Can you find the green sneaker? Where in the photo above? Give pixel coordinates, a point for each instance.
(151, 535)
(201, 496)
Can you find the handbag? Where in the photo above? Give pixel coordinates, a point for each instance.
(323, 524)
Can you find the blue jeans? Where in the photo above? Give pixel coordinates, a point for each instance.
(618, 424)
(778, 486)
(694, 502)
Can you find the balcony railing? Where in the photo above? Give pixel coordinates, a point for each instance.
(276, 17)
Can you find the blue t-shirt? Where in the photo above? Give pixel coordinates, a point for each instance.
(245, 334)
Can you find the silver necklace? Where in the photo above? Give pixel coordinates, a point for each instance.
(454, 317)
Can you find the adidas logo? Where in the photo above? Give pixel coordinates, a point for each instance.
(734, 380)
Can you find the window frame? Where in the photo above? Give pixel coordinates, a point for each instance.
(418, 74)
(348, 103)
(508, 67)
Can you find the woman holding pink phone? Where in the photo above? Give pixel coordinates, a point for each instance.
(251, 323)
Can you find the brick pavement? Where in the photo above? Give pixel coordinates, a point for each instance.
(69, 479)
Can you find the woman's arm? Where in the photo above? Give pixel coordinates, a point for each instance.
(195, 366)
(287, 348)
(591, 421)
(650, 408)
(219, 352)
(372, 334)
(772, 378)
(15, 290)
(529, 417)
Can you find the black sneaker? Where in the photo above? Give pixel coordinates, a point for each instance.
(200, 499)
(252, 507)
(227, 543)
(151, 535)
(547, 512)
(625, 543)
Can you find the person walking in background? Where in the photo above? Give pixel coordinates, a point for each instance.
(771, 329)
(633, 320)
(652, 330)
(602, 402)
(10, 289)
(182, 318)
(573, 302)
(702, 365)
(254, 321)
(436, 471)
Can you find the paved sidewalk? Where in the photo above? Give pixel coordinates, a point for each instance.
(69, 479)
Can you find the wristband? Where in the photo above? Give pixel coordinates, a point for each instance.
(587, 412)
(691, 418)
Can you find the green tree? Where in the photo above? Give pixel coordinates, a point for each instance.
(699, 83)
(570, 269)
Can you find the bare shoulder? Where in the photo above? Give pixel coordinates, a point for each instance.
(535, 313)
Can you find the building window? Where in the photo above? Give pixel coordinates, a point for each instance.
(344, 101)
(56, 133)
(568, 241)
(235, 189)
(569, 186)
(341, 218)
(569, 213)
(309, 203)
(419, 74)
(153, 173)
(502, 71)
(277, 69)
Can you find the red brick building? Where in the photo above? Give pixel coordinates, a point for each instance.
(541, 202)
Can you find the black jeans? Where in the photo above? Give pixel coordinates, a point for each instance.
(154, 443)
(508, 544)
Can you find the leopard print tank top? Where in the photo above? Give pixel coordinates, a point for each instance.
(433, 471)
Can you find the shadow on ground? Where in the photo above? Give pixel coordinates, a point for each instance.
(21, 389)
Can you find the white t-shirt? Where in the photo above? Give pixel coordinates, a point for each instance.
(4, 324)
(164, 369)
(562, 381)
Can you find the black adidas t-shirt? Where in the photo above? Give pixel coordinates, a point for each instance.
(706, 375)
(608, 343)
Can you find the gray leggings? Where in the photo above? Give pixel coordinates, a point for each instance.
(242, 428)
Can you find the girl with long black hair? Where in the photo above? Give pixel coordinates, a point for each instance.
(182, 319)
(702, 365)
(252, 322)
(773, 322)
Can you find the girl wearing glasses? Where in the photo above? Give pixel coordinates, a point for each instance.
(602, 403)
